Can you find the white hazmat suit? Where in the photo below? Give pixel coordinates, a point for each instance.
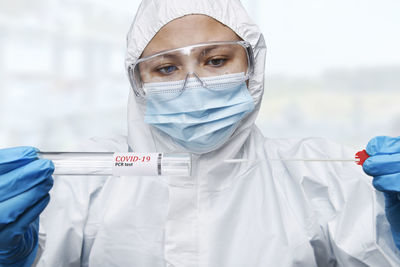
(270, 213)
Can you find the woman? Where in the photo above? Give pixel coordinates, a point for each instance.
(197, 75)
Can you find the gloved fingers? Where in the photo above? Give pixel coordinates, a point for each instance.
(392, 206)
(12, 208)
(392, 200)
(15, 157)
(396, 237)
(382, 164)
(31, 214)
(21, 179)
(389, 183)
(383, 145)
(10, 234)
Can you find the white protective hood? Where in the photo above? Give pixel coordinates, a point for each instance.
(150, 17)
(263, 213)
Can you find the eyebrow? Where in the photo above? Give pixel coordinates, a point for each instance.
(168, 56)
(157, 60)
(208, 50)
(174, 56)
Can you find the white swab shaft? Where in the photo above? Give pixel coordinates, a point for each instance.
(287, 159)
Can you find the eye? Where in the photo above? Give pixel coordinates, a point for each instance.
(167, 69)
(216, 62)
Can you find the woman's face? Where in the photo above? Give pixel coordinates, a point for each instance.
(205, 61)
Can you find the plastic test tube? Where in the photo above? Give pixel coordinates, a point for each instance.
(119, 164)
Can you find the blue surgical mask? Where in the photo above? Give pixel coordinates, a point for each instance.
(203, 115)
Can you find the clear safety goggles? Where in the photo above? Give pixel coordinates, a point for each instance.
(199, 61)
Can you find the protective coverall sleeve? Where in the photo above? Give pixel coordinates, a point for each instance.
(62, 234)
(358, 232)
(345, 217)
(67, 226)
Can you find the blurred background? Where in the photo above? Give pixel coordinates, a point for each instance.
(333, 69)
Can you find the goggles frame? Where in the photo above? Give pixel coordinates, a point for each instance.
(135, 79)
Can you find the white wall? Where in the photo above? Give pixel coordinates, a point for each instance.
(333, 68)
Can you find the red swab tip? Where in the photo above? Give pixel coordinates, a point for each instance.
(361, 156)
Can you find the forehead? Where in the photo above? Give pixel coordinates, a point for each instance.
(189, 30)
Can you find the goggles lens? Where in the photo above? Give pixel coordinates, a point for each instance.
(203, 60)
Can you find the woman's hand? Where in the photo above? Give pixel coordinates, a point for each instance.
(384, 165)
(25, 182)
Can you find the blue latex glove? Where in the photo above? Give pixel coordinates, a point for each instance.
(25, 182)
(384, 165)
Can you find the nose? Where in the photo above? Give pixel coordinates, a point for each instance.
(195, 75)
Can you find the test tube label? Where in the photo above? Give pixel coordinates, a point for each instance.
(135, 164)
